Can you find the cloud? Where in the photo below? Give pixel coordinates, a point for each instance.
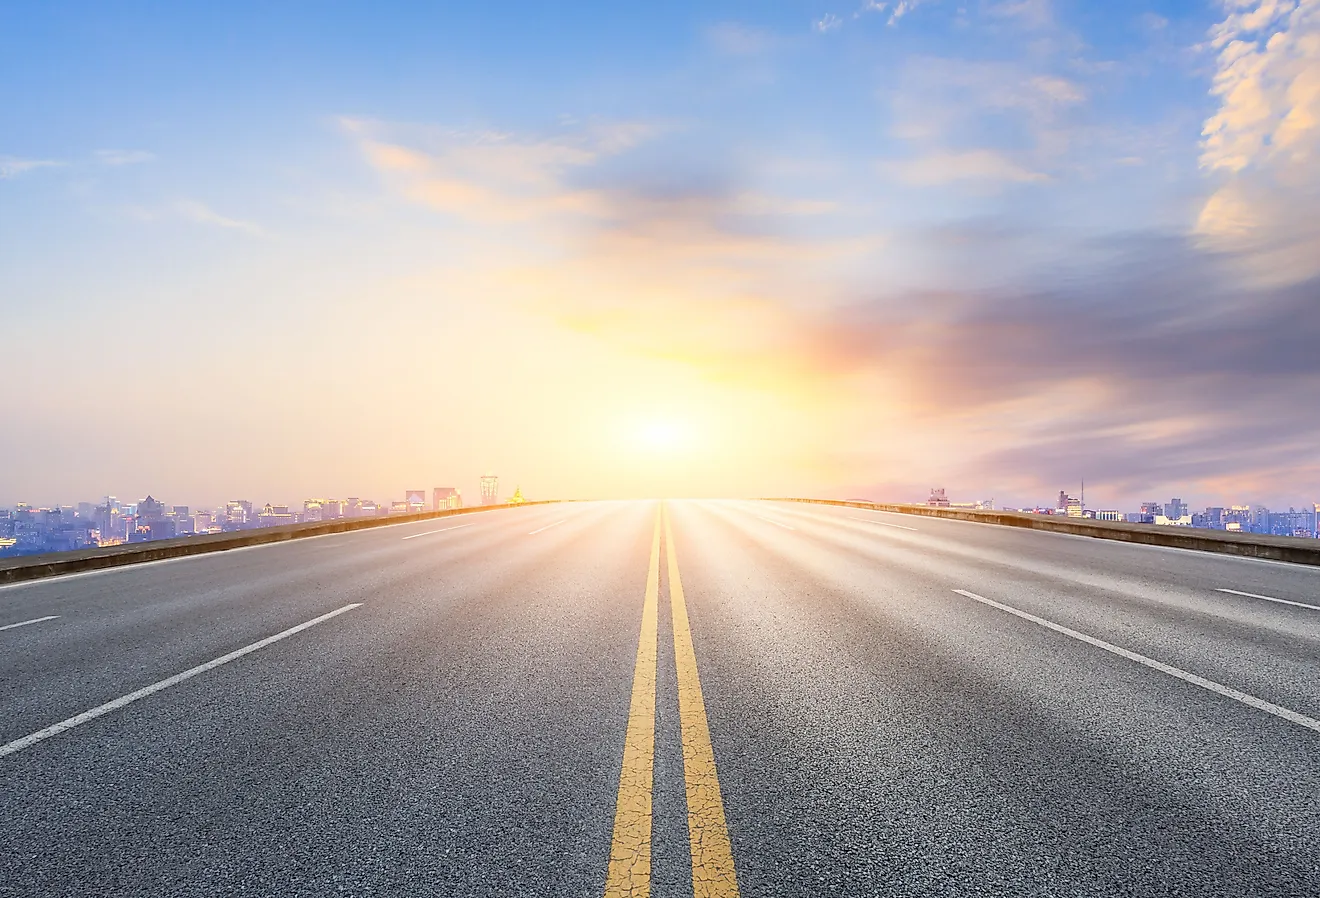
(972, 165)
(124, 157)
(1143, 362)
(827, 22)
(946, 108)
(902, 8)
(13, 166)
(1031, 13)
(200, 213)
(1154, 370)
(1263, 141)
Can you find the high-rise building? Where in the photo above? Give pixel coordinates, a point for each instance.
(446, 497)
(1068, 505)
(490, 489)
(1176, 508)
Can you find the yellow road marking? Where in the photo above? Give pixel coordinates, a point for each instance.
(629, 873)
(713, 874)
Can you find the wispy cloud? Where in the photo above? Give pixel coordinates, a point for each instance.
(1031, 13)
(196, 212)
(971, 165)
(13, 166)
(946, 108)
(124, 157)
(200, 213)
(827, 22)
(903, 7)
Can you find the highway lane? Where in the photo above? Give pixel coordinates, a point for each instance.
(462, 730)
(881, 734)
(141, 623)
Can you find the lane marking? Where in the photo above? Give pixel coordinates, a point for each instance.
(887, 524)
(1227, 691)
(1250, 595)
(548, 526)
(629, 872)
(713, 872)
(24, 623)
(101, 710)
(773, 521)
(441, 530)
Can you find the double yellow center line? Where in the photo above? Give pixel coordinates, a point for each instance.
(629, 873)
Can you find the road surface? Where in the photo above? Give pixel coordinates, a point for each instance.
(729, 698)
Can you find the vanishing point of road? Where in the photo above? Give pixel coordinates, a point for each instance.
(689, 698)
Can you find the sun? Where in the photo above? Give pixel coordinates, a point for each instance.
(662, 436)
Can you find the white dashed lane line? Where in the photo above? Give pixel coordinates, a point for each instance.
(35, 620)
(101, 710)
(1252, 595)
(1218, 688)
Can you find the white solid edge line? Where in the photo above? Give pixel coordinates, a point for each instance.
(24, 623)
(887, 524)
(548, 526)
(1250, 595)
(1228, 692)
(773, 521)
(100, 710)
(441, 530)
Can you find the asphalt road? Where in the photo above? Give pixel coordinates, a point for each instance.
(592, 699)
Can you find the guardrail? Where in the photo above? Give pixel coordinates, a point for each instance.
(1249, 545)
(36, 567)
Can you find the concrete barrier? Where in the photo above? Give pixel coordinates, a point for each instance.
(1249, 545)
(37, 567)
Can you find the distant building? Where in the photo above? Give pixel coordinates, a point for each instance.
(150, 509)
(490, 489)
(446, 497)
(275, 516)
(1069, 505)
(415, 500)
(1109, 515)
(938, 498)
(1175, 509)
(517, 497)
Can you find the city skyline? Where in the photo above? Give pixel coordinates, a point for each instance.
(33, 529)
(700, 249)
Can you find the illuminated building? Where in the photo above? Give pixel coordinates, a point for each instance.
(490, 489)
(517, 497)
(446, 497)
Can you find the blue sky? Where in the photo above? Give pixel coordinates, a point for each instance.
(995, 245)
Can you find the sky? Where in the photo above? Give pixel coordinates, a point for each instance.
(835, 249)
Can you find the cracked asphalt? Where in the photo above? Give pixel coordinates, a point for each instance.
(461, 732)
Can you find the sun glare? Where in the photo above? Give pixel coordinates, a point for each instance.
(661, 435)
